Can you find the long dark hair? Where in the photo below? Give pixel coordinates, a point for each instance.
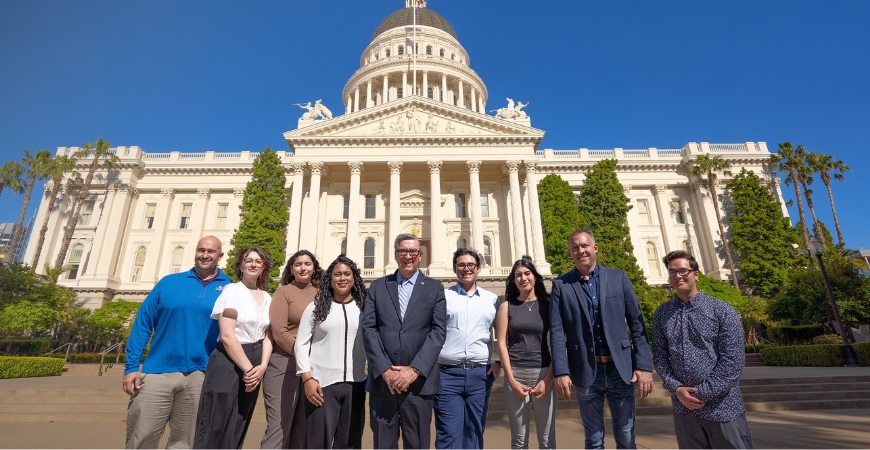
(263, 279)
(324, 298)
(287, 276)
(512, 292)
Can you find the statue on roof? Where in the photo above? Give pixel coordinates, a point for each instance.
(415, 4)
(314, 112)
(511, 111)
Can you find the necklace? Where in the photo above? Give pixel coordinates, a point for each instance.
(531, 304)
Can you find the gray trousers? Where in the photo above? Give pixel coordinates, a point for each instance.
(694, 432)
(520, 409)
(285, 413)
(164, 398)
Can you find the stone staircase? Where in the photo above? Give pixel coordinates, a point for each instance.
(79, 395)
(753, 360)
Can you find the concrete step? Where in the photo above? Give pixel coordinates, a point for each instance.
(803, 387)
(754, 360)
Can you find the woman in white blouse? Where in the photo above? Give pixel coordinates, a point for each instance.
(330, 359)
(236, 366)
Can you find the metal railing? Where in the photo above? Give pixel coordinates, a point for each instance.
(754, 338)
(68, 345)
(117, 347)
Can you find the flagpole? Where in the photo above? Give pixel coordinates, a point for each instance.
(414, 49)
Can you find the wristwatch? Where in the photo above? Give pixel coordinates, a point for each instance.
(420, 374)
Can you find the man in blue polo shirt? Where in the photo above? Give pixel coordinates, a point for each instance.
(176, 318)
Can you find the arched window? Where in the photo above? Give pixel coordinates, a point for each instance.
(429, 50)
(453, 56)
(400, 93)
(369, 254)
(430, 93)
(687, 246)
(441, 53)
(652, 260)
(75, 260)
(343, 249)
(461, 243)
(387, 53)
(401, 50)
(177, 260)
(138, 264)
(487, 251)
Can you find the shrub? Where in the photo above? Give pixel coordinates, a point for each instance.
(828, 339)
(828, 355)
(88, 358)
(795, 335)
(29, 366)
(24, 347)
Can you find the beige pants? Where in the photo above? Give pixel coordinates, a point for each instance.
(164, 398)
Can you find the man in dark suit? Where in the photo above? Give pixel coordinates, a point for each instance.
(404, 326)
(599, 342)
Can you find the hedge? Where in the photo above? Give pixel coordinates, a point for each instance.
(24, 347)
(29, 366)
(84, 358)
(813, 355)
(795, 335)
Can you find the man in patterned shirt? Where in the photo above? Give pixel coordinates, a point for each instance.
(698, 352)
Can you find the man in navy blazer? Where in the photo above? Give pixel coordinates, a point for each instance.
(599, 343)
(404, 326)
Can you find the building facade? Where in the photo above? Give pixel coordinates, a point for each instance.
(414, 151)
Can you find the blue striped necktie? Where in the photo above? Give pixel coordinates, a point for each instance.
(404, 295)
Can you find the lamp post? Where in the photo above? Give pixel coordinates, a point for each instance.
(849, 352)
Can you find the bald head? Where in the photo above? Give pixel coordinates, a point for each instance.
(209, 252)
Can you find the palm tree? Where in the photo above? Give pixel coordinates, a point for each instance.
(56, 170)
(10, 175)
(805, 176)
(708, 166)
(101, 156)
(826, 167)
(36, 168)
(788, 160)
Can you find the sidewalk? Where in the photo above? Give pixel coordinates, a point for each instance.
(833, 428)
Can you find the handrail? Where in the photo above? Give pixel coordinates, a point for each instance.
(103, 356)
(67, 345)
(754, 339)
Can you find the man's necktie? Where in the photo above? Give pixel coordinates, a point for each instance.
(404, 295)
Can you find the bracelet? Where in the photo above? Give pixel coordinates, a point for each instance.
(249, 370)
(307, 380)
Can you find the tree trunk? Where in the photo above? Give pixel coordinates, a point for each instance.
(68, 233)
(817, 228)
(2, 185)
(797, 197)
(834, 211)
(55, 190)
(16, 234)
(712, 188)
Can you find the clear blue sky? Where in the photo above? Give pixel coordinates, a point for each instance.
(224, 75)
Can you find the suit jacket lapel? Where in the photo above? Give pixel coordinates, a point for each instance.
(581, 300)
(415, 294)
(393, 289)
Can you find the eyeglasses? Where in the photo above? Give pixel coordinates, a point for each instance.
(403, 252)
(254, 262)
(469, 266)
(681, 272)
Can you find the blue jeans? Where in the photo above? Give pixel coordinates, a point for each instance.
(461, 407)
(620, 396)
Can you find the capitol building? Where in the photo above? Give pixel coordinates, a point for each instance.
(417, 146)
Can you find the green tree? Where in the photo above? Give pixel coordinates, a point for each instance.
(789, 160)
(805, 176)
(826, 167)
(804, 300)
(707, 167)
(264, 213)
(10, 176)
(764, 239)
(603, 208)
(110, 323)
(101, 156)
(29, 305)
(36, 168)
(57, 168)
(559, 218)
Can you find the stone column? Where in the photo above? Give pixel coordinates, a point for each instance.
(461, 102)
(706, 239)
(164, 209)
(535, 213)
(404, 84)
(369, 101)
(386, 89)
(295, 207)
(481, 108)
(519, 232)
(98, 265)
(436, 231)
(473, 99)
(395, 217)
(474, 202)
(356, 99)
(353, 246)
(313, 213)
(444, 87)
(200, 208)
(348, 105)
(664, 207)
(426, 83)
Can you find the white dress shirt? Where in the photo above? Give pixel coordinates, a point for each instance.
(331, 350)
(252, 320)
(469, 325)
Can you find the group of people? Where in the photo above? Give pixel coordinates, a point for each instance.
(324, 339)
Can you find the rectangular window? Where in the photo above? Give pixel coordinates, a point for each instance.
(87, 212)
(186, 210)
(484, 205)
(459, 199)
(148, 221)
(370, 206)
(678, 212)
(346, 208)
(643, 217)
(220, 221)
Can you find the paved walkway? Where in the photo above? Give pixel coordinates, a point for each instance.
(834, 428)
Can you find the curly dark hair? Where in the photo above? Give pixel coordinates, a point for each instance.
(512, 291)
(323, 300)
(263, 280)
(287, 276)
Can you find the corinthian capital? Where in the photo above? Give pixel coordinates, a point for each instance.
(395, 166)
(356, 167)
(434, 166)
(512, 166)
(316, 167)
(530, 165)
(473, 166)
